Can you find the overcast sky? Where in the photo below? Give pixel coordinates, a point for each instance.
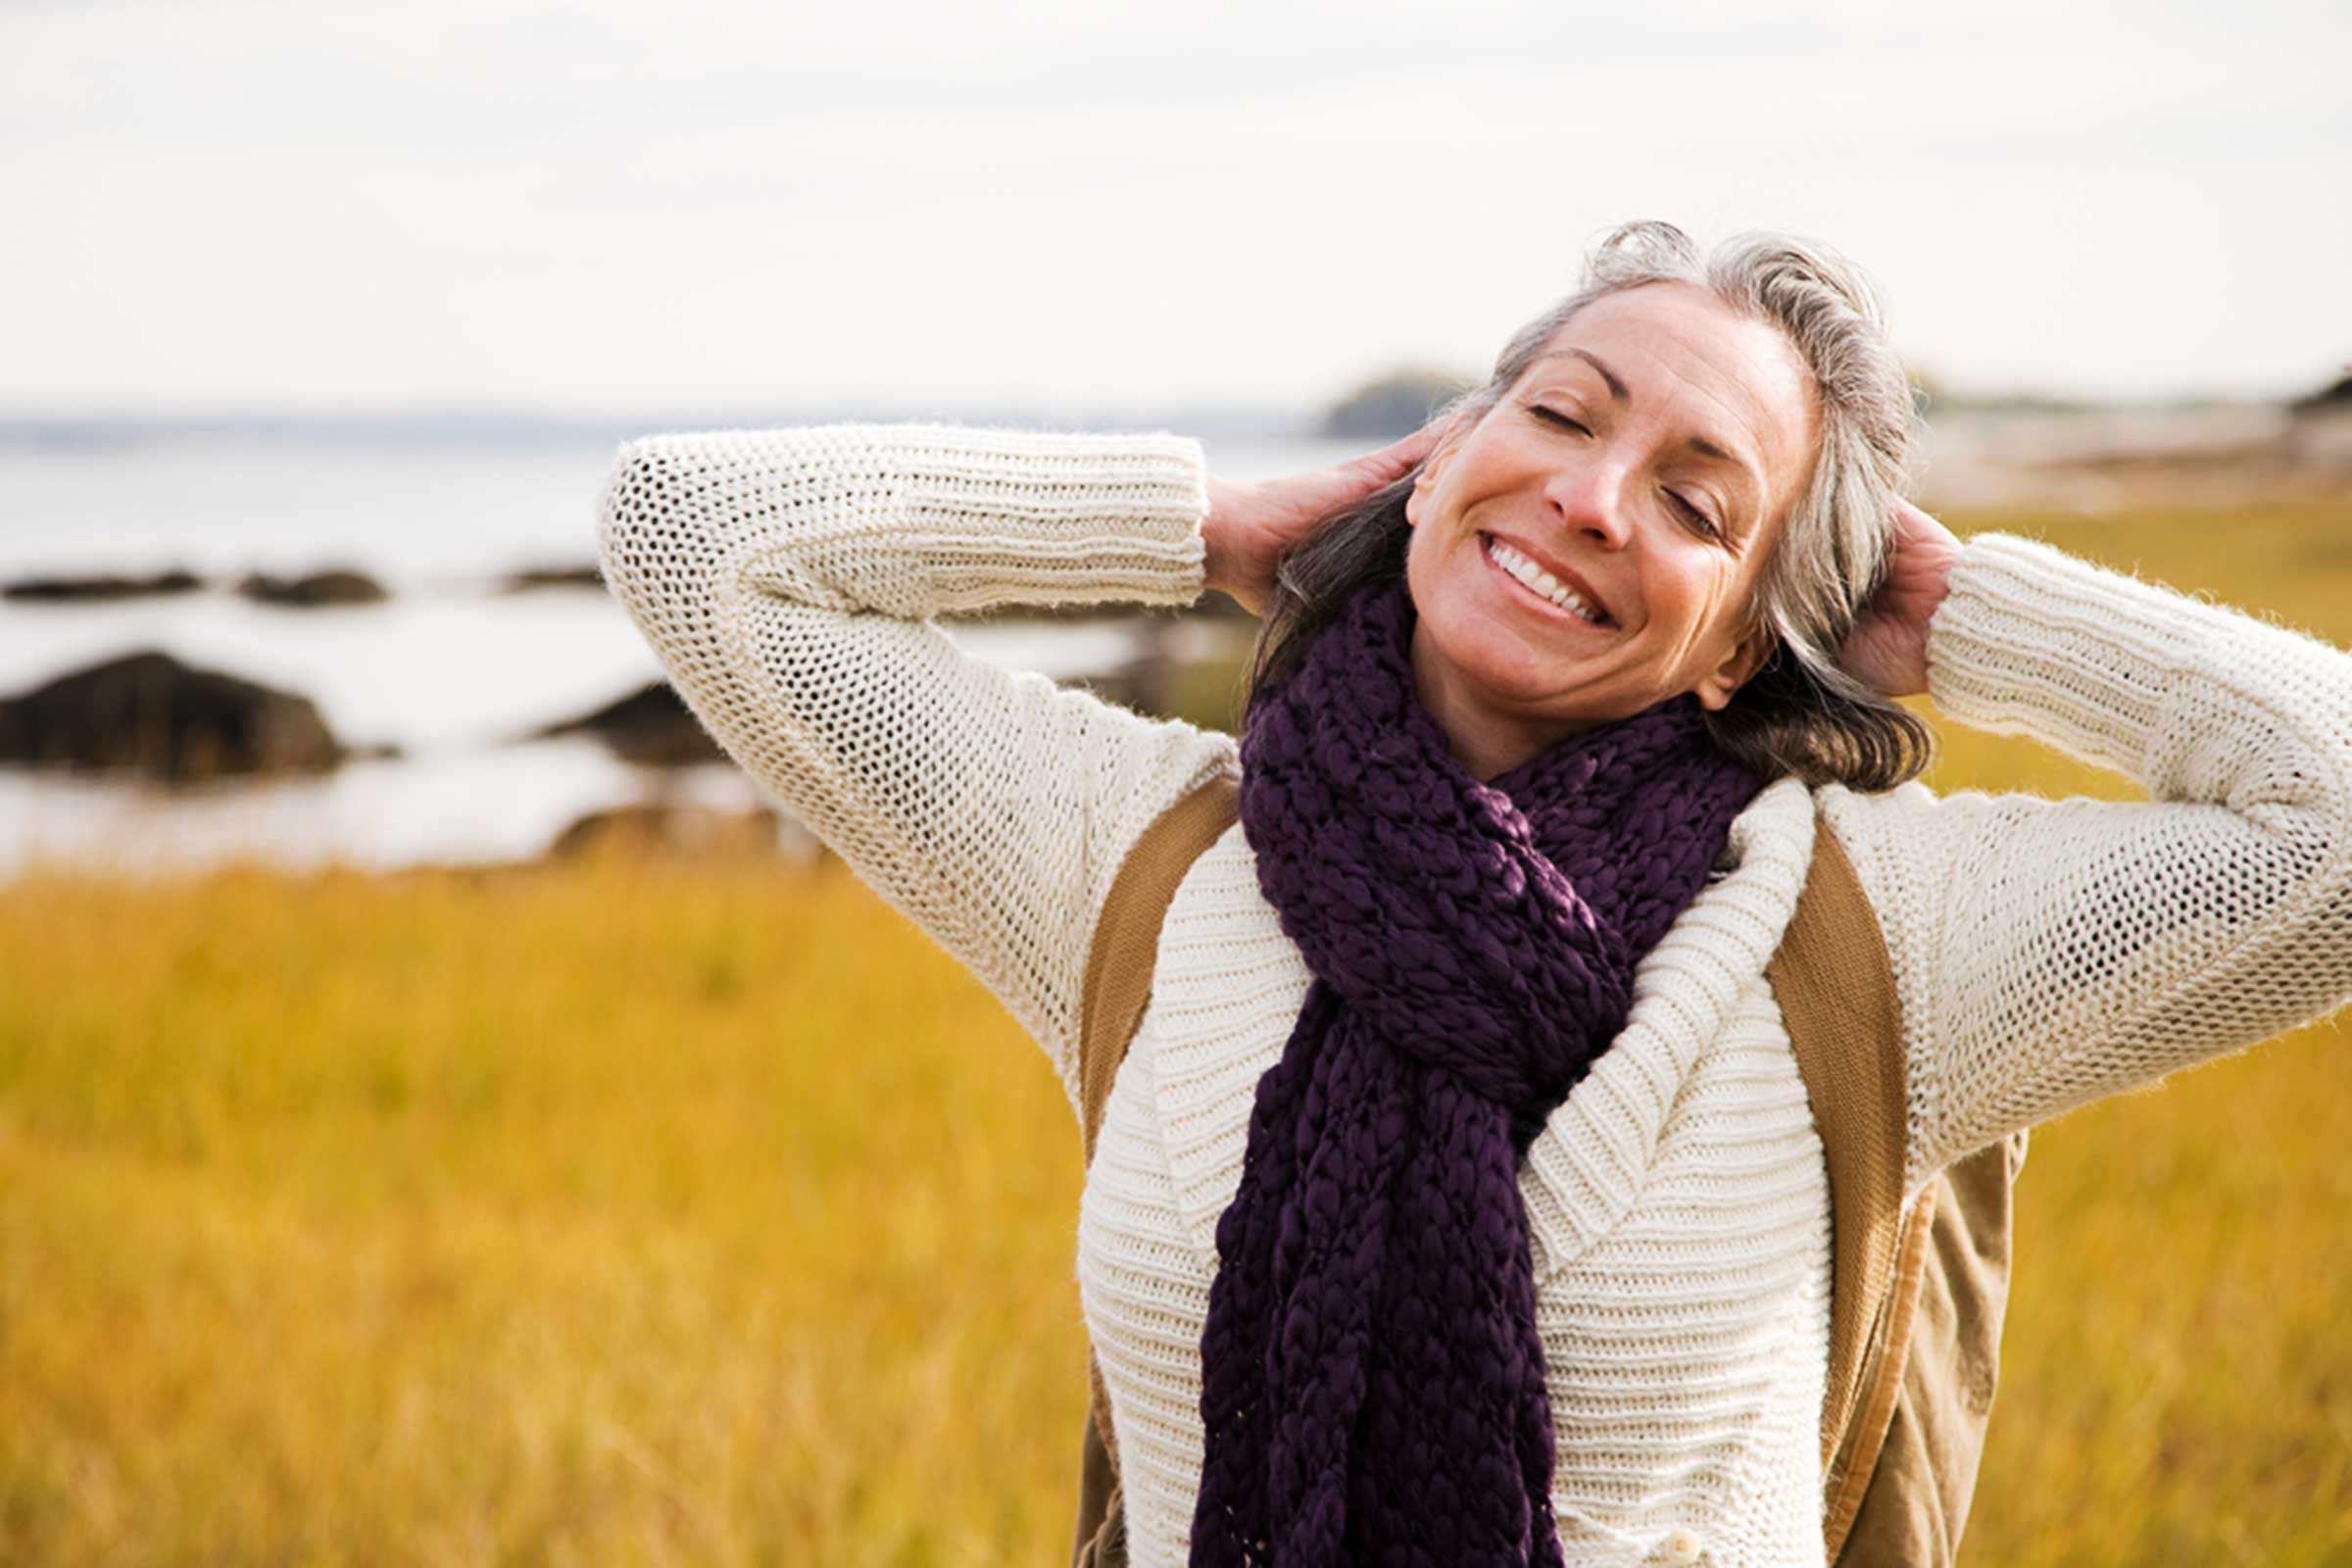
(312, 205)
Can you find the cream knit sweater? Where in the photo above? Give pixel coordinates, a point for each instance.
(2046, 952)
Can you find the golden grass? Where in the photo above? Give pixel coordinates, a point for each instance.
(616, 1213)
(631, 1212)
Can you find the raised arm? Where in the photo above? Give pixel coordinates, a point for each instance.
(2049, 953)
(785, 580)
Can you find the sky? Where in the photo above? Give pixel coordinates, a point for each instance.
(314, 206)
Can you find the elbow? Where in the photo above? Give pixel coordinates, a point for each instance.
(674, 539)
(627, 511)
(2297, 785)
(2330, 885)
(684, 518)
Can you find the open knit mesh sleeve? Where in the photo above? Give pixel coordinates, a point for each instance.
(2049, 953)
(785, 580)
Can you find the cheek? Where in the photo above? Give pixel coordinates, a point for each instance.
(1441, 566)
(1434, 577)
(1700, 605)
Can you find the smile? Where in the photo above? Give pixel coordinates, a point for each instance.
(1536, 585)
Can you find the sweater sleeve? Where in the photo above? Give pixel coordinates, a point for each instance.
(786, 580)
(2049, 953)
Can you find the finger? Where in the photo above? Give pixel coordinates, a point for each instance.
(1399, 456)
(1911, 517)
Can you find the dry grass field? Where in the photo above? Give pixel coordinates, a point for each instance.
(640, 1212)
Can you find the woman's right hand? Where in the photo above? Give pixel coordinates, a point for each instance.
(1252, 526)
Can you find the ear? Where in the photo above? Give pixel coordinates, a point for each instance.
(1716, 689)
(1439, 455)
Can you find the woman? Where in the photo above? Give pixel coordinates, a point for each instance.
(1459, 1200)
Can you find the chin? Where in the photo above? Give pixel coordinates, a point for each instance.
(1499, 670)
(1491, 660)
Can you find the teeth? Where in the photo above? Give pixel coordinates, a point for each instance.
(1542, 581)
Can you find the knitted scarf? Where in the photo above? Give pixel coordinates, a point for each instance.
(1372, 1380)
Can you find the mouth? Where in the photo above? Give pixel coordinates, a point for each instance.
(1575, 613)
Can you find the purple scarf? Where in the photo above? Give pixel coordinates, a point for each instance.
(1372, 1381)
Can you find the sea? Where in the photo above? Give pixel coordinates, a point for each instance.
(450, 668)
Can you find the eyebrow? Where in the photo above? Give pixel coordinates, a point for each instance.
(1705, 446)
(1617, 392)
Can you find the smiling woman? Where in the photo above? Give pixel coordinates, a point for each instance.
(1656, 412)
(1459, 1197)
(1708, 455)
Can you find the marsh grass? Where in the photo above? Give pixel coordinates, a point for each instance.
(632, 1211)
(615, 1214)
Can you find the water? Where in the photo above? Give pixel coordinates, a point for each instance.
(449, 669)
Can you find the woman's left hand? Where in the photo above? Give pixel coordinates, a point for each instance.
(1889, 644)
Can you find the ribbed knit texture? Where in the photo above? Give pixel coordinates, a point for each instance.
(2046, 953)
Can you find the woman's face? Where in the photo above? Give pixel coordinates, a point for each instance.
(1646, 459)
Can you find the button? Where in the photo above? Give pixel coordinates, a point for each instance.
(1681, 1547)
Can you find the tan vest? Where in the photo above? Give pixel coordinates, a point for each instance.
(1915, 1310)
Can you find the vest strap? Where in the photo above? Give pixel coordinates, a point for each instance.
(1836, 985)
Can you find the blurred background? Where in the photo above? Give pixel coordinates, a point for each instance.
(448, 1114)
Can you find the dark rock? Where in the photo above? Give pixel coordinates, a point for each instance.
(339, 586)
(149, 712)
(75, 590)
(685, 830)
(530, 577)
(2338, 394)
(653, 725)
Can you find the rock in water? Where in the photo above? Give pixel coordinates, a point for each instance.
(531, 577)
(149, 712)
(75, 590)
(650, 725)
(340, 586)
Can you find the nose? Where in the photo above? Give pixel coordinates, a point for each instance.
(1590, 500)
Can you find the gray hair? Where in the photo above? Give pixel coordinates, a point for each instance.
(1800, 713)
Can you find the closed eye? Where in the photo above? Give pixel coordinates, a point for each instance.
(1691, 512)
(1555, 416)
